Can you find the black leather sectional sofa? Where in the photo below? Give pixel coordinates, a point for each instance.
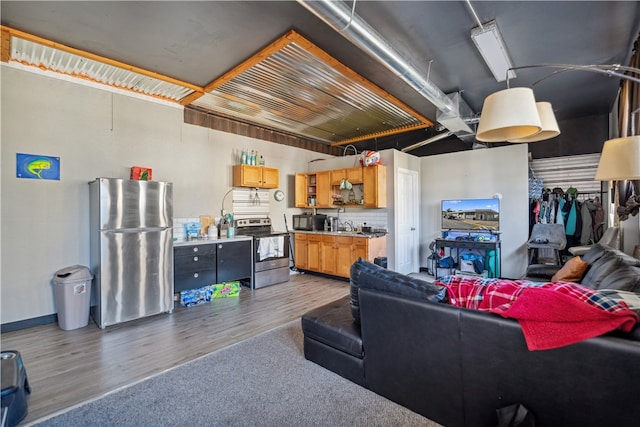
(396, 337)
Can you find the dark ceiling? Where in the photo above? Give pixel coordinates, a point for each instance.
(198, 41)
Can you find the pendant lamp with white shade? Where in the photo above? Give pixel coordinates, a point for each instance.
(509, 114)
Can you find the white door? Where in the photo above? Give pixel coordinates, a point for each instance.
(406, 213)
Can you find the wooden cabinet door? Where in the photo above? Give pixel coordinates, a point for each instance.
(337, 175)
(255, 176)
(375, 186)
(354, 175)
(329, 260)
(301, 190)
(300, 250)
(270, 177)
(323, 189)
(314, 255)
(246, 176)
(361, 246)
(345, 256)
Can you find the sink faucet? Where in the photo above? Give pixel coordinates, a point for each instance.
(348, 225)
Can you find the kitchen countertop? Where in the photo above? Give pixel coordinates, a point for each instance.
(207, 241)
(367, 235)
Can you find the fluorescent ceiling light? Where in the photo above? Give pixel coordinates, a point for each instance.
(489, 42)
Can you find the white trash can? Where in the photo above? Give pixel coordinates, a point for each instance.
(72, 292)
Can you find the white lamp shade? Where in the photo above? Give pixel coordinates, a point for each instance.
(550, 127)
(620, 159)
(509, 114)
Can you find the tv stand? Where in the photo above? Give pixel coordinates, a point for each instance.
(456, 245)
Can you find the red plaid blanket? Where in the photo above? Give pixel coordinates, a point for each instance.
(551, 314)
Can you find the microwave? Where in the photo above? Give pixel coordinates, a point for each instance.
(309, 222)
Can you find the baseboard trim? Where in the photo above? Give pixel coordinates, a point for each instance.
(28, 323)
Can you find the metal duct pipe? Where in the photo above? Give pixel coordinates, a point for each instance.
(339, 16)
(438, 137)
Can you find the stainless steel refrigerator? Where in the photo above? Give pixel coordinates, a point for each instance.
(131, 249)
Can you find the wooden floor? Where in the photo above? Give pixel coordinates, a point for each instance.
(68, 367)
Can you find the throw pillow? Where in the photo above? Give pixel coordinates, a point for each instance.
(572, 271)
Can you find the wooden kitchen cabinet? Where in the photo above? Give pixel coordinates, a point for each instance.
(314, 252)
(321, 186)
(255, 176)
(361, 248)
(315, 186)
(334, 255)
(374, 190)
(329, 257)
(300, 250)
(345, 254)
(301, 190)
(354, 175)
(370, 249)
(337, 253)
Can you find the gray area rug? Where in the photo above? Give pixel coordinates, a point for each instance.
(262, 381)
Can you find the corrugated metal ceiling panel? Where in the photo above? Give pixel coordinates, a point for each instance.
(48, 58)
(295, 91)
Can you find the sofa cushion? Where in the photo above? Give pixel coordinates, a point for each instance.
(624, 278)
(367, 275)
(604, 261)
(333, 325)
(572, 271)
(541, 272)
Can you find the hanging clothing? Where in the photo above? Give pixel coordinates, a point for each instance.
(586, 235)
(570, 221)
(598, 220)
(560, 212)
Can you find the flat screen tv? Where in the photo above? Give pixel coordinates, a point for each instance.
(471, 214)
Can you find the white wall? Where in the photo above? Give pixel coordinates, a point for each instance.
(45, 224)
(480, 174)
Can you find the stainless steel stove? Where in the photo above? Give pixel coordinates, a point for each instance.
(270, 250)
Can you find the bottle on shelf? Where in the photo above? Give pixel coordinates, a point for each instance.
(243, 159)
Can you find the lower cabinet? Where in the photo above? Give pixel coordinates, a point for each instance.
(195, 266)
(334, 255)
(300, 250)
(329, 258)
(234, 261)
(313, 252)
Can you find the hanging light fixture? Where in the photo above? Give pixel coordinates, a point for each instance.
(512, 114)
(620, 159)
(509, 114)
(548, 121)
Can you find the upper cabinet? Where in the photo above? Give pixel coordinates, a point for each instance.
(374, 190)
(319, 189)
(255, 176)
(313, 190)
(354, 175)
